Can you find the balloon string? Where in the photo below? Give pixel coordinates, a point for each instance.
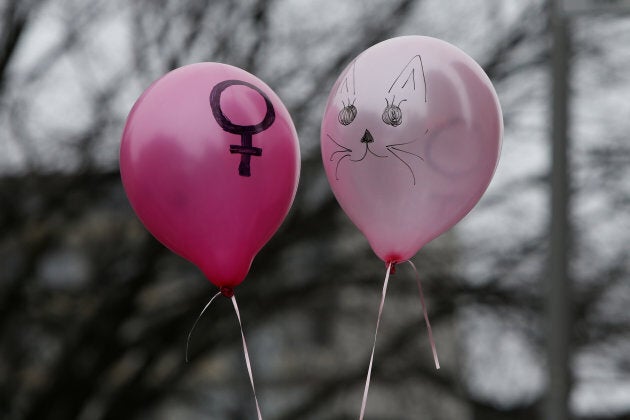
(426, 316)
(378, 321)
(246, 353)
(197, 321)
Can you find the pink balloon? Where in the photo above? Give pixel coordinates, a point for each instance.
(410, 140)
(210, 162)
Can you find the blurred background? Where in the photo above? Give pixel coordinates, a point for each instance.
(94, 313)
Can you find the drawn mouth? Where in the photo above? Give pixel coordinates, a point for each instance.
(367, 149)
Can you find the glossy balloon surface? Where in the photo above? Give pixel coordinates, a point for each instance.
(210, 162)
(410, 139)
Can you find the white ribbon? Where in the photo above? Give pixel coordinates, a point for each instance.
(426, 316)
(246, 353)
(378, 321)
(197, 321)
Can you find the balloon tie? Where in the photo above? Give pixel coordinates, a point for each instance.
(197, 321)
(378, 321)
(426, 316)
(227, 291)
(246, 353)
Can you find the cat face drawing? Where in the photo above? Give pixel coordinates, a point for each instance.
(393, 131)
(410, 138)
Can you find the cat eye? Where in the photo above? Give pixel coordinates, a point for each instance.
(347, 114)
(392, 114)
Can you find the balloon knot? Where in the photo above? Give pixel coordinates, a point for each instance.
(226, 291)
(392, 270)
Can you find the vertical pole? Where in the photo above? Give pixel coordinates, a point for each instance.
(559, 287)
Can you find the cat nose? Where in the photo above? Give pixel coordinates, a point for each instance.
(367, 137)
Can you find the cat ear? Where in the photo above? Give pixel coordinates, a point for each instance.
(347, 88)
(411, 79)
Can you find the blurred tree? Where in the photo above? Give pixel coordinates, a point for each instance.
(94, 313)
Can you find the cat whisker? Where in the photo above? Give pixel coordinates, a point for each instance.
(332, 156)
(390, 147)
(343, 147)
(403, 144)
(337, 167)
(404, 163)
(346, 151)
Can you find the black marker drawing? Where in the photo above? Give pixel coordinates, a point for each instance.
(393, 148)
(411, 76)
(346, 152)
(349, 111)
(367, 139)
(404, 85)
(347, 114)
(245, 149)
(392, 115)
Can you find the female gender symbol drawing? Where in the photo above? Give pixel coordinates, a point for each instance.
(245, 149)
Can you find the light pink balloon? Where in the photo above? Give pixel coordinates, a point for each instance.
(193, 179)
(410, 140)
